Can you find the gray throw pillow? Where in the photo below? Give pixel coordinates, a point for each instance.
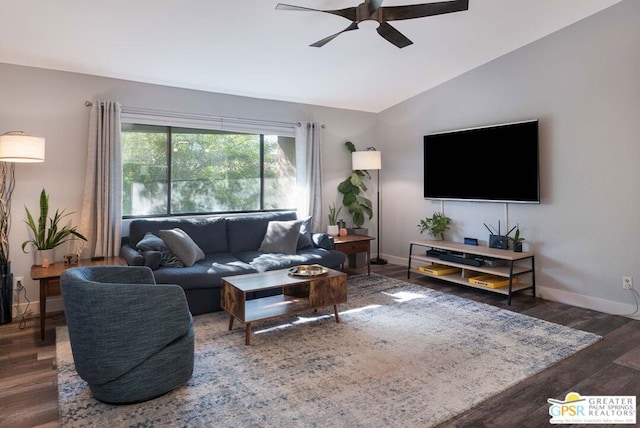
(182, 245)
(305, 240)
(151, 242)
(281, 237)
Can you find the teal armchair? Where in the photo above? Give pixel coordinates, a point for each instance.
(131, 339)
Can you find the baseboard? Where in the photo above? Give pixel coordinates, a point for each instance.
(573, 299)
(587, 302)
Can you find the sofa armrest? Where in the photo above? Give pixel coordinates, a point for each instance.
(323, 240)
(131, 256)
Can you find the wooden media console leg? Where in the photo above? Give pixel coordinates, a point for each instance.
(335, 311)
(247, 334)
(230, 322)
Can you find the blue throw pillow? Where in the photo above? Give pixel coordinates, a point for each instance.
(305, 240)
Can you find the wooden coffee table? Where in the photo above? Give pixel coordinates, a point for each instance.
(298, 294)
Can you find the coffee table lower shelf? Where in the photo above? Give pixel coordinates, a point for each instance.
(298, 295)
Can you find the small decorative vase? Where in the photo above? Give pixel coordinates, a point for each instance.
(44, 257)
(343, 231)
(333, 230)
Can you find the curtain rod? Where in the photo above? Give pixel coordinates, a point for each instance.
(164, 112)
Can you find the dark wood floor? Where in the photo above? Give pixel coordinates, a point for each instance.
(28, 390)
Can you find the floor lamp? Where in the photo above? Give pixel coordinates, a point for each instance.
(365, 160)
(14, 147)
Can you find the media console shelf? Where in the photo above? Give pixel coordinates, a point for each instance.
(515, 265)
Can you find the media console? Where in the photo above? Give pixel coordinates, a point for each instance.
(517, 268)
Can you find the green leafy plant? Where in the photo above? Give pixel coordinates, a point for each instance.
(352, 189)
(47, 232)
(436, 225)
(333, 214)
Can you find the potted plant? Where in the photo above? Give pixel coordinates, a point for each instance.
(352, 189)
(47, 232)
(332, 229)
(436, 225)
(517, 241)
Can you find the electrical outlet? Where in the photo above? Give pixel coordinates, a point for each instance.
(19, 281)
(627, 282)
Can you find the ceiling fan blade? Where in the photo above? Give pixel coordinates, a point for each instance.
(396, 13)
(320, 43)
(348, 13)
(392, 35)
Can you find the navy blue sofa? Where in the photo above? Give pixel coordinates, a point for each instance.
(231, 247)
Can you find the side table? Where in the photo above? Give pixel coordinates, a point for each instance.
(50, 280)
(353, 244)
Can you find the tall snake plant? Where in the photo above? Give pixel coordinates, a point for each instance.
(48, 237)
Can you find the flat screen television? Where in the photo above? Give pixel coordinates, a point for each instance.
(496, 163)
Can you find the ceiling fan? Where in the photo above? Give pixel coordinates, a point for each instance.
(372, 10)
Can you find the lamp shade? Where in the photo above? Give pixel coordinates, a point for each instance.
(368, 159)
(21, 147)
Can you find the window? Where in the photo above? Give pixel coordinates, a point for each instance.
(181, 171)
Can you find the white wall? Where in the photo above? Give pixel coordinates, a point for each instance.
(51, 104)
(583, 84)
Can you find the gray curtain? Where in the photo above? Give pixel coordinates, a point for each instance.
(309, 177)
(101, 214)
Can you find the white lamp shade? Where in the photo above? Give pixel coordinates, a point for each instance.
(369, 159)
(20, 147)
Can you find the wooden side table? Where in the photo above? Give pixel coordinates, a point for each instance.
(50, 280)
(353, 244)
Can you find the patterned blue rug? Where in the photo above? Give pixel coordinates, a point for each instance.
(402, 355)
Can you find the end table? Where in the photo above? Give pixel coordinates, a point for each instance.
(50, 279)
(353, 244)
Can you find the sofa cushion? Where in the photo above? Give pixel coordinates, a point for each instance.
(281, 237)
(245, 233)
(305, 240)
(204, 274)
(262, 262)
(151, 242)
(182, 245)
(210, 233)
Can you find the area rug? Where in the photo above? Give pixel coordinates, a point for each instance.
(402, 355)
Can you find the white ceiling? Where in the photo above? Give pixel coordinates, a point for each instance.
(246, 47)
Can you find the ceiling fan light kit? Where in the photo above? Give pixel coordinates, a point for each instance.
(372, 10)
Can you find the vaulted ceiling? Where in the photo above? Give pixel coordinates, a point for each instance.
(248, 48)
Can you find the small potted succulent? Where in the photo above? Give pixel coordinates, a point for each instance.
(517, 241)
(333, 229)
(436, 225)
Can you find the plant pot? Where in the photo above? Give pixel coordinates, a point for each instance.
(333, 230)
(42, 257)
(517, 247)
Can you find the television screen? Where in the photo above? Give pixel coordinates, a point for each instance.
(497, 163)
